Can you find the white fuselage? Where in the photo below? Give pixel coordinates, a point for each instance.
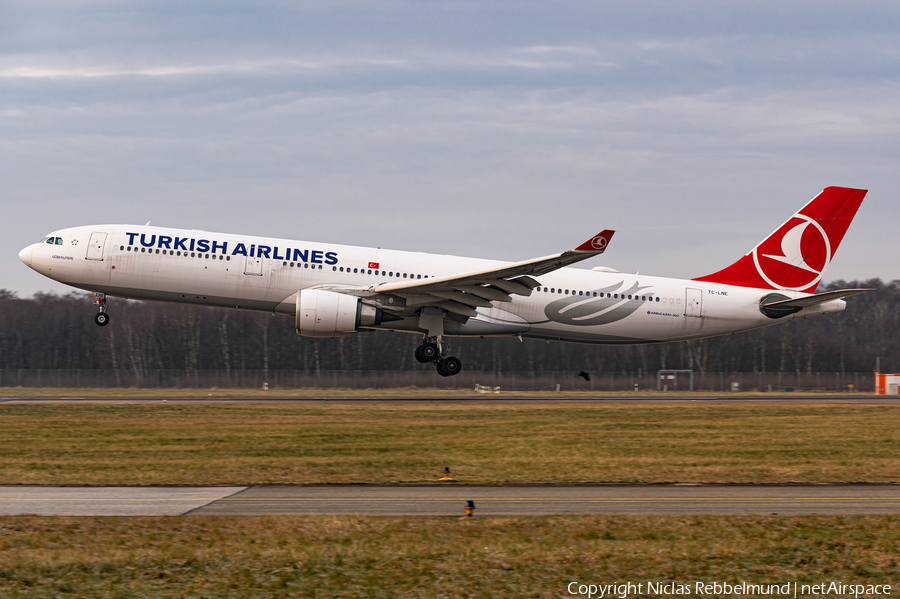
(256, 273)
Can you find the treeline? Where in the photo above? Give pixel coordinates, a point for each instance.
(50, 331)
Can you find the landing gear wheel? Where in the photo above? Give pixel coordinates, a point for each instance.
(101, 318)
(429, 351)
(449, 366)
(420, 357)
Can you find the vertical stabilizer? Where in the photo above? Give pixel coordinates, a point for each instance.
(796, 255)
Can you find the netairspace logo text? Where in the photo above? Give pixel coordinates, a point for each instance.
(623, 590)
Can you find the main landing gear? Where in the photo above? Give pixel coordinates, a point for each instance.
(101, 317)
(433, 350)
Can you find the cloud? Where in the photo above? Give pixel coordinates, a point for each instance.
(495, 130)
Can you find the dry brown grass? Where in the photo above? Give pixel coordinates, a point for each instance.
(241, 444)
(375, 558)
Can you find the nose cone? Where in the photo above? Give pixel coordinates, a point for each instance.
(25, 255)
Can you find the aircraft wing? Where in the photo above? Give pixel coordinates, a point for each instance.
(462, 292)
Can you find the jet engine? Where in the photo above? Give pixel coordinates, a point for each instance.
(323, 313)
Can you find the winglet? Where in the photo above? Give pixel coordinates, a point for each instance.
(596, 244)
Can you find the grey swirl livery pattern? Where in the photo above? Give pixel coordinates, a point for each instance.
(584, 311)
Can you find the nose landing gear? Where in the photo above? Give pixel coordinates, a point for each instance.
(433, 350)
(101, 318)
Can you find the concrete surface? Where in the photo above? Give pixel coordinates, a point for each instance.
(108, 501)
(449, 499)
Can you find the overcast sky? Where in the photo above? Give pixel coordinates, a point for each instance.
(502, 130)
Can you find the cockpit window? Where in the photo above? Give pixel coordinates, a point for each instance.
(59, 241)
(44, 240)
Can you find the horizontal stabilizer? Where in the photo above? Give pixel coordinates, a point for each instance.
(815, 300)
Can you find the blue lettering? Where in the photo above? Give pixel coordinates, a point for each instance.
(316, 257)
(202, 245)
(165, 241)
(252, 249)
(275, 254)
(131, 237)
(298, 254)
(152, 241)
(192, 244)
(240, 249)
(263, 251)
(223, 245)
(331, 258)
(179, 243)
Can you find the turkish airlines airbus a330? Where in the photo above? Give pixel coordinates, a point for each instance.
(336, 290)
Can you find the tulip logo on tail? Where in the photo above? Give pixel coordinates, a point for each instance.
(795, 257)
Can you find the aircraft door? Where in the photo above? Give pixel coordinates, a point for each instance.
(253, 266)
(95, 246)
(693, 302)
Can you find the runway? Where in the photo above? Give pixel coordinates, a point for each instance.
(859, 398)
(449, 500)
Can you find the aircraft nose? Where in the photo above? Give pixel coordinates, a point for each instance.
(25, 255)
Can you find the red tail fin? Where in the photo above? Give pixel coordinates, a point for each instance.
(796, 255)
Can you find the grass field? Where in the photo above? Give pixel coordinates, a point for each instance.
(242, 444)
(375, 558)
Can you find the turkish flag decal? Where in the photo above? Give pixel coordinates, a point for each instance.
(373, 265)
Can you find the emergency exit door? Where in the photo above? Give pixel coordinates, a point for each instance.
(693, 302)
(95, 246)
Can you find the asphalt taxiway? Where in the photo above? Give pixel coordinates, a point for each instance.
(857, 398)
(449, 500)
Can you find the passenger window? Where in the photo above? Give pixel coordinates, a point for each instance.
(370, 271)
(404, 275)
(129, 248)
(581, 293)
(227, 258)
(143, 250)
(354, 271)
(552, 290)
(320, 267)
(419, 276)
(334, 268)
(220, 257)
(657, 299)
(643, 298)
(305, 265)
(616, 296)
(629, 297)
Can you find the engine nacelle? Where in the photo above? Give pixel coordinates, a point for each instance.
(323, 313)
